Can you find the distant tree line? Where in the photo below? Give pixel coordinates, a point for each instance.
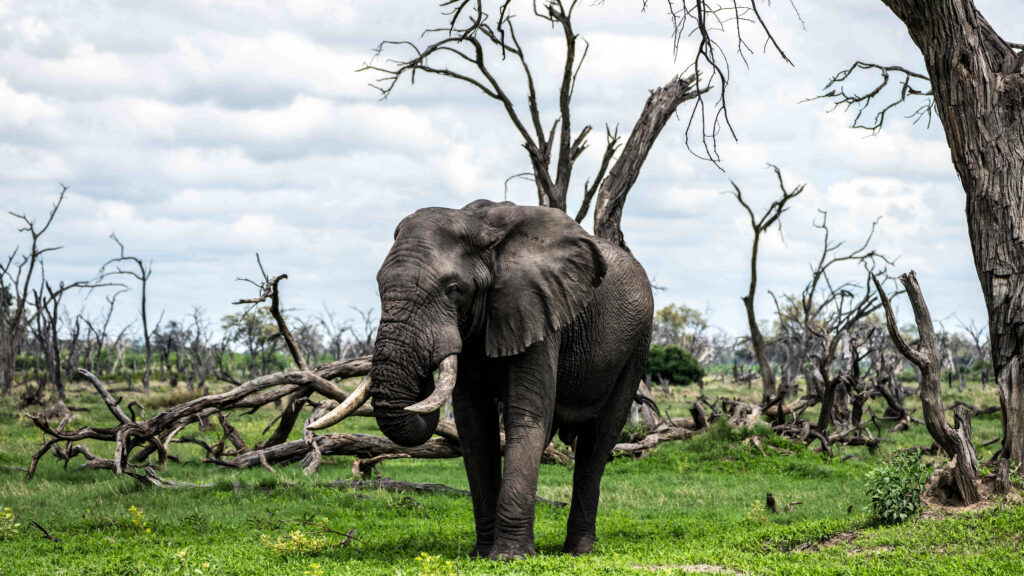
(43, 342)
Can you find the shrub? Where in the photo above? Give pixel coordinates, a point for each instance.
(9, 525)
(434, 565)
(673, 364)
(895, 486)
(297, 542)
(138, 520)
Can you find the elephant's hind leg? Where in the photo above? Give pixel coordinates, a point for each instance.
(593, 448)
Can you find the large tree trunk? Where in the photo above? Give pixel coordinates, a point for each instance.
(979, 96)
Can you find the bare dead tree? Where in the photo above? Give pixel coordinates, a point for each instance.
(159, 431)
(769, 218)
(98, 331)
(47, 317)
(979, 336)
(268, 288)
(75, 330)
(199, 347)
(955, 442)
(475, 39)
(141, 272)
(16, 280)
(334, 331)
(823, 314)
(363, 333)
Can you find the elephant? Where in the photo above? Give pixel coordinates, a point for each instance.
(522, 312)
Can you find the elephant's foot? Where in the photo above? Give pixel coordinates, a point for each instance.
(481, 550)
(577, 544)
(510, 550)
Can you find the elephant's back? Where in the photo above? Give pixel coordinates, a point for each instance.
(626, 289)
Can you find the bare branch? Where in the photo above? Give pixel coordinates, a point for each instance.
(269, 290)
(836, 92)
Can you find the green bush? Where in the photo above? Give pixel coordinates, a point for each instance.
(895, 486)
(673, 364)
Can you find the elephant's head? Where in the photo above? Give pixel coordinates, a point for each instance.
(509, 275)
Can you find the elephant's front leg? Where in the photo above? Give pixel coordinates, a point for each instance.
(476, 415)
(529, 407)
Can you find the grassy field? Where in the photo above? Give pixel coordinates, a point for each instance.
(688, 507)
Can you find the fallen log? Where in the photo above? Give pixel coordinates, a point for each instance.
(360, 445)
(663, 433)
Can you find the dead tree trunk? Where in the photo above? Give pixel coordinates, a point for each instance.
(759, 226)
(660, 107)
(955, 442)
(112, 266)
(977, 81)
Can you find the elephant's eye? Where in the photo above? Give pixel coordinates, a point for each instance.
(453, 290)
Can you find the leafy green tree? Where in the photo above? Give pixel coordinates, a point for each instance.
(256, 331)
(674, 364)
(684, 327)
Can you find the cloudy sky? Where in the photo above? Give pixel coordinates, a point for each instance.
(203, 131)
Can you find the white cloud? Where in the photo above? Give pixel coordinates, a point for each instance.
(204, 130)
(21, 110)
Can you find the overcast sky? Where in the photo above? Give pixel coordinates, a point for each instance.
(204, 131)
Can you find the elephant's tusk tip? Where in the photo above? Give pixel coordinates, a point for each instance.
(418, 409)
(442, 391)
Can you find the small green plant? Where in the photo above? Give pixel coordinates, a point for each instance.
(756, 512)
(138, 520)
(632, 431)
(9, 525)
(185, 567)
(297, 542)
(435, 565)
(895, 486)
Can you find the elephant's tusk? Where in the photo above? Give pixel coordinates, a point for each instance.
(346, 408)
(449, 373)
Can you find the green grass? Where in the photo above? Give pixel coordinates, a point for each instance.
(687, 503)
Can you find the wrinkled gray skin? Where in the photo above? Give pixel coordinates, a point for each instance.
(546, 319)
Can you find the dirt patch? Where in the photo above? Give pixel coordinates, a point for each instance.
(940, 498)
(834, 540)
(688, 568)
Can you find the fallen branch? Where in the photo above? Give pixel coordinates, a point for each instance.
(46, 534)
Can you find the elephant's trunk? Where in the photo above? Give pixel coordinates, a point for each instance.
(395, 388)
(414, 339)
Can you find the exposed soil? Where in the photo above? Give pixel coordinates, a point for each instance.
(940, 498)
(834, 540)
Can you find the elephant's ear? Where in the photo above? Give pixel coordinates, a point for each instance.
(545, 269)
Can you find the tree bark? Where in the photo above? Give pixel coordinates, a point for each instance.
(611, 197)
(978, 88)
(765, 367)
